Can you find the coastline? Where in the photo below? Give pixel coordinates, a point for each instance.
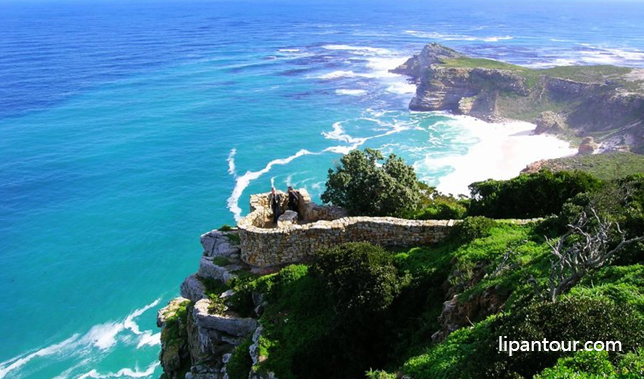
(503, 150)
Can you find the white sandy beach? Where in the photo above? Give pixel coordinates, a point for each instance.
(503, 150)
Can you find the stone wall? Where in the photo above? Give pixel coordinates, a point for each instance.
(269, 247)
(323, 227)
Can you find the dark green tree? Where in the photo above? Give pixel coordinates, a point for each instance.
(363, 187)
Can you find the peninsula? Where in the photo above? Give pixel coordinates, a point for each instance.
(605, 103)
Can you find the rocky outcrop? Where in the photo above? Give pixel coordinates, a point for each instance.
(192, 288)
(219, 244)
(587, 146)
(197, 339)
(588, 100)
(222, 323)
(458, 312)
(550, 122)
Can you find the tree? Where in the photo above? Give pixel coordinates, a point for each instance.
(364, 187)
(584, 247)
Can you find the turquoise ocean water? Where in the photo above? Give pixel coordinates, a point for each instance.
(127, 129)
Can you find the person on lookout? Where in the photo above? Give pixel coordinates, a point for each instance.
(275, 201)
(293, 200)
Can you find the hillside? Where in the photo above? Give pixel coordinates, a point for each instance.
(603, 166)
(428, 311)
(604, 102)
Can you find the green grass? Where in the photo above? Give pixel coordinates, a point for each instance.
(587, 74)
(584, 74)
(221, 261)
(603, 166)
(466, 62)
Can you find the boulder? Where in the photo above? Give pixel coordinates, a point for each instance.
(549, 122)
(232, 325)
(287, 219)
(587, 146)
(193, 289)
(216, 243)
(208, 269)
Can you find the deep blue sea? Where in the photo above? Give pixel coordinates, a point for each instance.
(128, 128)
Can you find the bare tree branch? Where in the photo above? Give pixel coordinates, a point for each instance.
(583, 248)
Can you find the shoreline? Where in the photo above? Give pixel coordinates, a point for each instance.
(503, 150)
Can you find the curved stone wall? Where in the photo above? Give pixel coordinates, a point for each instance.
(264, 247)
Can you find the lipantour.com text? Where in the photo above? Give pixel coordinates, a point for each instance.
(545, 345)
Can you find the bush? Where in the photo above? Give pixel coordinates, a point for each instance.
(360, 276)
(583, 364)
(363, 187)
(472, 228)
(632, 364)
(473, 352)
(225, 228)
(441, 209)
(529, 195)
(240, 362)
(569, 319)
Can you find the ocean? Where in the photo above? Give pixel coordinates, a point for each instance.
(128, 128)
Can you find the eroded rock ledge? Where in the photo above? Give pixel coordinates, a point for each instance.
(605, 102)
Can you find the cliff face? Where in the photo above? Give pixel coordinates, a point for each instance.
(601, 101)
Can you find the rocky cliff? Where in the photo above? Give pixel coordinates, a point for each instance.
(604, 102)
(202, 334)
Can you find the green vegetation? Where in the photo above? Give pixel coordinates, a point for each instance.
(608, 166)
(221, 261)
(437, 206)
(234, 238)
(587, 74)
(529, 195)
(583, 74)
(225, 228)
(363, 187)
(240, 362)
(467, 62)
(362, 311)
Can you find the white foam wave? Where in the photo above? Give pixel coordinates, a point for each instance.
(243, 181)
(122, 373)
(456, 37)
(361, 50)
(553, 63)
(402, 88)
(501, 152)
(612, 56)
(17, 362)
(102, 336)
(338, 133)
(337, 75)
(129, 320)
(149, 339)
(289, 50)
(351, 92)
(231, 162)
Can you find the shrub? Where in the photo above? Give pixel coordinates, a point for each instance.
(363, 187)
(529, 195)
(473, 352)
(360, 276)
(239, 364)
(472, 228)
(632, 364)
(225, 228)
(441, 209)
(583, 364)
(569, 319)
